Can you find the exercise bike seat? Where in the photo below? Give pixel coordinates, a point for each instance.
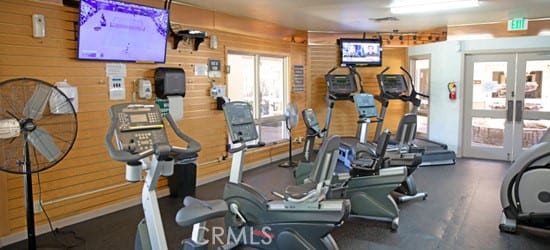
(320, 177)
(364, 166)
(300, 191)
(196, 211)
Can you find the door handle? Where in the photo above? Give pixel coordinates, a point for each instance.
(510, 111)
(519, 111)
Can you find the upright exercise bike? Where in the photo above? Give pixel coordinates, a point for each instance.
(525, 190)
(141, 133)
(300, 219)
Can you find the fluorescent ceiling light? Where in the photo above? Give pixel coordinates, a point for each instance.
(418, 6)
(470, 37)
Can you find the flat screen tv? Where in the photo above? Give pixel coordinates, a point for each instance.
(360, 52)
(119, 31)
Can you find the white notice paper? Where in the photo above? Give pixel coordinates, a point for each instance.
(175, 107)
(115, 69)
(201, 70)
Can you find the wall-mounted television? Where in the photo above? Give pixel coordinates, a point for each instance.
(360, 52)
(119, 31)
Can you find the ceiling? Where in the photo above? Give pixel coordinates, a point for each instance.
(356, 15)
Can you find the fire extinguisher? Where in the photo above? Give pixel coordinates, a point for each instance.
(452, 90)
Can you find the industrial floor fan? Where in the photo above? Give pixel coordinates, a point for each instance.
(38, 127)
(291, 120)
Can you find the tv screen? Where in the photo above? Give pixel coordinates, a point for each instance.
(118, 31)
(360, 52)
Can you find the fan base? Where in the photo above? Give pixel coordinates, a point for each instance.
(288, 164)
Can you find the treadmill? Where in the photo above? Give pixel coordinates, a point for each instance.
(395, 86)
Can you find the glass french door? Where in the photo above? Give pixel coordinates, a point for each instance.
(507, 103)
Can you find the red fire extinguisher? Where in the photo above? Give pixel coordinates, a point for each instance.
(452, 90)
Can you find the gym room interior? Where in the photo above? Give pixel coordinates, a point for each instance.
(474, 75)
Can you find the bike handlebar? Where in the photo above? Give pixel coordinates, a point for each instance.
(125, 156)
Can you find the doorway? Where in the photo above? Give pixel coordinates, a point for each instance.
(420, 67)
(506, 103)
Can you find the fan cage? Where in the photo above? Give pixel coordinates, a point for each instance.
(63, 128)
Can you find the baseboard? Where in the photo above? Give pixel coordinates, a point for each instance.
(247, 167)
(43, 229)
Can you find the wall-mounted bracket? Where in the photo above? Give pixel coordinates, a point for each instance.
(194, 37)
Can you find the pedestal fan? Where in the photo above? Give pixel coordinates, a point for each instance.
(38, 128)
(291, 120)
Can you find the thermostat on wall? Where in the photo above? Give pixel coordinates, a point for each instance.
(38, 26)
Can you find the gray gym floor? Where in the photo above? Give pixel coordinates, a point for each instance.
(462, 212)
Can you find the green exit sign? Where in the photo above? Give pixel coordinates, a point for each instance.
(517, 24)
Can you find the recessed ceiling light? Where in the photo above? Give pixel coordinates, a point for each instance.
(419, 6)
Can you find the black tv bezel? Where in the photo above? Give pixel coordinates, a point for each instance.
(122, 60)
(363, 63)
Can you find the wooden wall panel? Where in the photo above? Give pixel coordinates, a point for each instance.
(87, 179)
(4, 227)
(321, 58)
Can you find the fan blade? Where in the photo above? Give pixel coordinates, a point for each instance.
(9, 128)
(42, 141)
(36, 104)
(291, 115)
(293, 121)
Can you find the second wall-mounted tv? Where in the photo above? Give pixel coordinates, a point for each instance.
(119, 31)
(360, 52)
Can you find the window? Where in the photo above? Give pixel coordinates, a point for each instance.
(261, 81)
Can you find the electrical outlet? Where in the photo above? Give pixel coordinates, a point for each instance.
(36, 206)
(299, 139)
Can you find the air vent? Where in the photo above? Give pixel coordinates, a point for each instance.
(384, 19)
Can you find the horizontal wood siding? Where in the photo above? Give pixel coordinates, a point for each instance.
(321, 58)
(71, 187)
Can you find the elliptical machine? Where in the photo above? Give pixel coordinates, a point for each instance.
(140, 132)
(525, 190)
(302, 218)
